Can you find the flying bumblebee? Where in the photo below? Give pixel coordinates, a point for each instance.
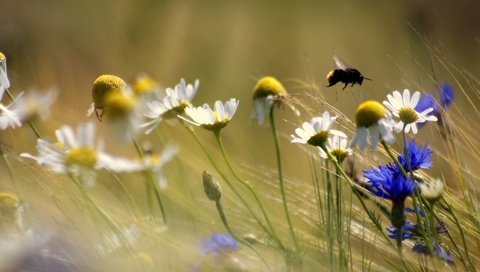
(345, 75)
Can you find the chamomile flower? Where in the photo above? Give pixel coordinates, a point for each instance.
(172, 104)
(374, 121)
(4, 82)
(145, 85)
(8, 118)
(212, 119)
(104, 86)
(403, 107)
(156, 162)
(337, 146)
(78, 154)
(317, 131)
(123, 115)
(33, 104)
(267, 93)
(432, 191)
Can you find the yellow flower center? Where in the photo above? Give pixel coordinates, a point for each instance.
(176, 111)
(408, 115)
(82, 156)
(218, 124)
(318, 139)
(340, 154)
(2, 57)
(268, 86)
(8, 203)
(144, 84)
(105, 85)
(118, 105)
(369, 113)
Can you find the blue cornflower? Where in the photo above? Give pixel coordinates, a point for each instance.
(389, 183)
(427, 101)
(218, 244)
(409, 230)
(421, 248)
(417, 157)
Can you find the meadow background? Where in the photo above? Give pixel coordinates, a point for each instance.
(229, 45)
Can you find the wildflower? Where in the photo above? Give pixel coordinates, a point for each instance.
(432, 191)
(267, 93)
(219, 245)
(212, 119)
(421, 248)
(78, 154)
(10, 209)
(104, 86)
(4, 82)
(211, 187)
(122, 113)
(8, 118)
(337, 145)
(409, 230)
(317, 131)
(372, 119)
(144, 84)
(403, 107)
(172, 104)
(417, 158)
(32, 105)
(156, 162)
(427, 101)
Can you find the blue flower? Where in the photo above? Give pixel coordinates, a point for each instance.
(409, 230)
(427, 101)
(389, 183)
(418, 158)
(218, 244)
(421, 248)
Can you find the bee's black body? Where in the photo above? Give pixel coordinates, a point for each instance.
(347, 76)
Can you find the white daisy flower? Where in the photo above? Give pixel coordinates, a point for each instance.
(403, 107)
(316, 131)
(267, 93)
(172, 104)
(215, 119)
(337, 146)
(156, 162)
(373, 121)
(78, 154)
(33, 104)
(4, 82)
(8, 118)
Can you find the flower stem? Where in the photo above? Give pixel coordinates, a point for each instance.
(395, 160)
(243, 182)
(235, 191)
(280, 177)
(221, 212)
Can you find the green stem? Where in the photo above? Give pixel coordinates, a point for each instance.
(280, 178)
(30, 123)
(243, 182)
(151, 184)
(235, 191)
(221, 212)
(395, 160)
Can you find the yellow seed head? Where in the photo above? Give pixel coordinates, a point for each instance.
(369, 113)
(2, 57)
(82, 156)
(144, 84)
(408, 115)
(105, 85)
(8, 204)
(118, 105)
(318, 139)
(268, 86)
(340, 154)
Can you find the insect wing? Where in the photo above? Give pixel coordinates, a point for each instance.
(338, 63)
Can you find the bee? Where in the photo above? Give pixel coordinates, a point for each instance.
(345, 75)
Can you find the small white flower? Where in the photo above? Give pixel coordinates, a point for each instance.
(373, 121)
(403, 107)
(172, 104)
(8, 118)
(337, 145)
(155, 163)
(78, 154)
(34, 104)
(4, 82)
(432, 191)
(215, 119)
(316, 131)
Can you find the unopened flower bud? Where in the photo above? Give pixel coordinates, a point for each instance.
(211, 186)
